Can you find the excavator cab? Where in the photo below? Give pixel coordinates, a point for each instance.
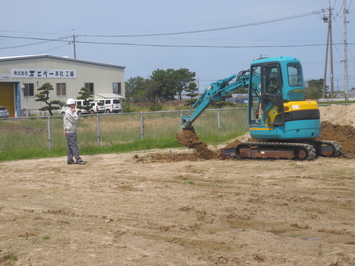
(277, 109)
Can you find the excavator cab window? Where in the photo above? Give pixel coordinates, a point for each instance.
(295, 78)
(254, 95)
(266, 101)
(271, 100)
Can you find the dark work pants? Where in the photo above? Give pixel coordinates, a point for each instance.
(72, 149)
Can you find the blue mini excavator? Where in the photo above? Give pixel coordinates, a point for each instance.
(284, 124)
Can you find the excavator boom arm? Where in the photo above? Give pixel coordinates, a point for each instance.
(216, 91)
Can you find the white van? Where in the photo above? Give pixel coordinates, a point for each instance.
(97, 107)
(79, 111)
(112, 105)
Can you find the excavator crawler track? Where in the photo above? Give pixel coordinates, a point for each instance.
(271, 150)
(307, 150)
(327, 148)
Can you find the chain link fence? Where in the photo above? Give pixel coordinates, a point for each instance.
(42, 133)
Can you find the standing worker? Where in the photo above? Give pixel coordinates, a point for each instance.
(70, 120)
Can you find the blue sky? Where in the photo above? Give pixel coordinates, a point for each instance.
(248, 28)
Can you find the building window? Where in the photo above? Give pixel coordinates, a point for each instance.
(116, 88)
(28, 90)
(90, 87)
(61, 89)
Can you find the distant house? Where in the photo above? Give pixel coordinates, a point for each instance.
(21, 76)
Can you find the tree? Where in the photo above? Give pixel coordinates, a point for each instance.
(43, 96)
(139, 89)
(135, 89)
(162, 86)
(86, 95)
(151, 89)
(171, 82)
(314, 89)
(183, 77)
(165, 82)
(192, 91)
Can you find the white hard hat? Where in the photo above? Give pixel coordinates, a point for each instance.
(70, 101)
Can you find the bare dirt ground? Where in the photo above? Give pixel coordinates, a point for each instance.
(169, 207)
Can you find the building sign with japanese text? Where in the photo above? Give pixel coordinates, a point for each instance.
(43, 73)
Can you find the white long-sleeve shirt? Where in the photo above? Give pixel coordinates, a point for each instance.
(70, 120)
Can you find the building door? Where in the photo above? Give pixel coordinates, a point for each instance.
(7, 97)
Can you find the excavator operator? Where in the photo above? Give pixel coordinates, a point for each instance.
(274, 86)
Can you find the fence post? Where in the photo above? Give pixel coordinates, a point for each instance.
(98, 130)
(142, 125)
(49, 133)
(219, 121)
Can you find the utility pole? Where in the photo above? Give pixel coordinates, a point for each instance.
(325, 19)
(74, 43)
(331, 53)
(346, 79)
(330, 48)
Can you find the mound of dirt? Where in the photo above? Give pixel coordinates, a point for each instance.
(338, 123)
(189, 139)
(338, 114)
(344, 135)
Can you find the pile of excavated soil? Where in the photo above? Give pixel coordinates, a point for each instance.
(338, 123)
(188, 138)
(338, 114)
(344, 135)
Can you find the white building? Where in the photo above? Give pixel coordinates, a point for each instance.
(21, 76)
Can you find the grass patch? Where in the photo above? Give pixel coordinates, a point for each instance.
(335, 102)
(10, 256)
(32, 138)
(137, 145)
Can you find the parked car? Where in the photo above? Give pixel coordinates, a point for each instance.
(78, 110)
(111, 105)
(97, 107)
(4, 113)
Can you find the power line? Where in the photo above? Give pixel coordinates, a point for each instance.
(41, 41)
(23, 45)
(214, 29)
(62, 39)
(200, 31)
(208, 46)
